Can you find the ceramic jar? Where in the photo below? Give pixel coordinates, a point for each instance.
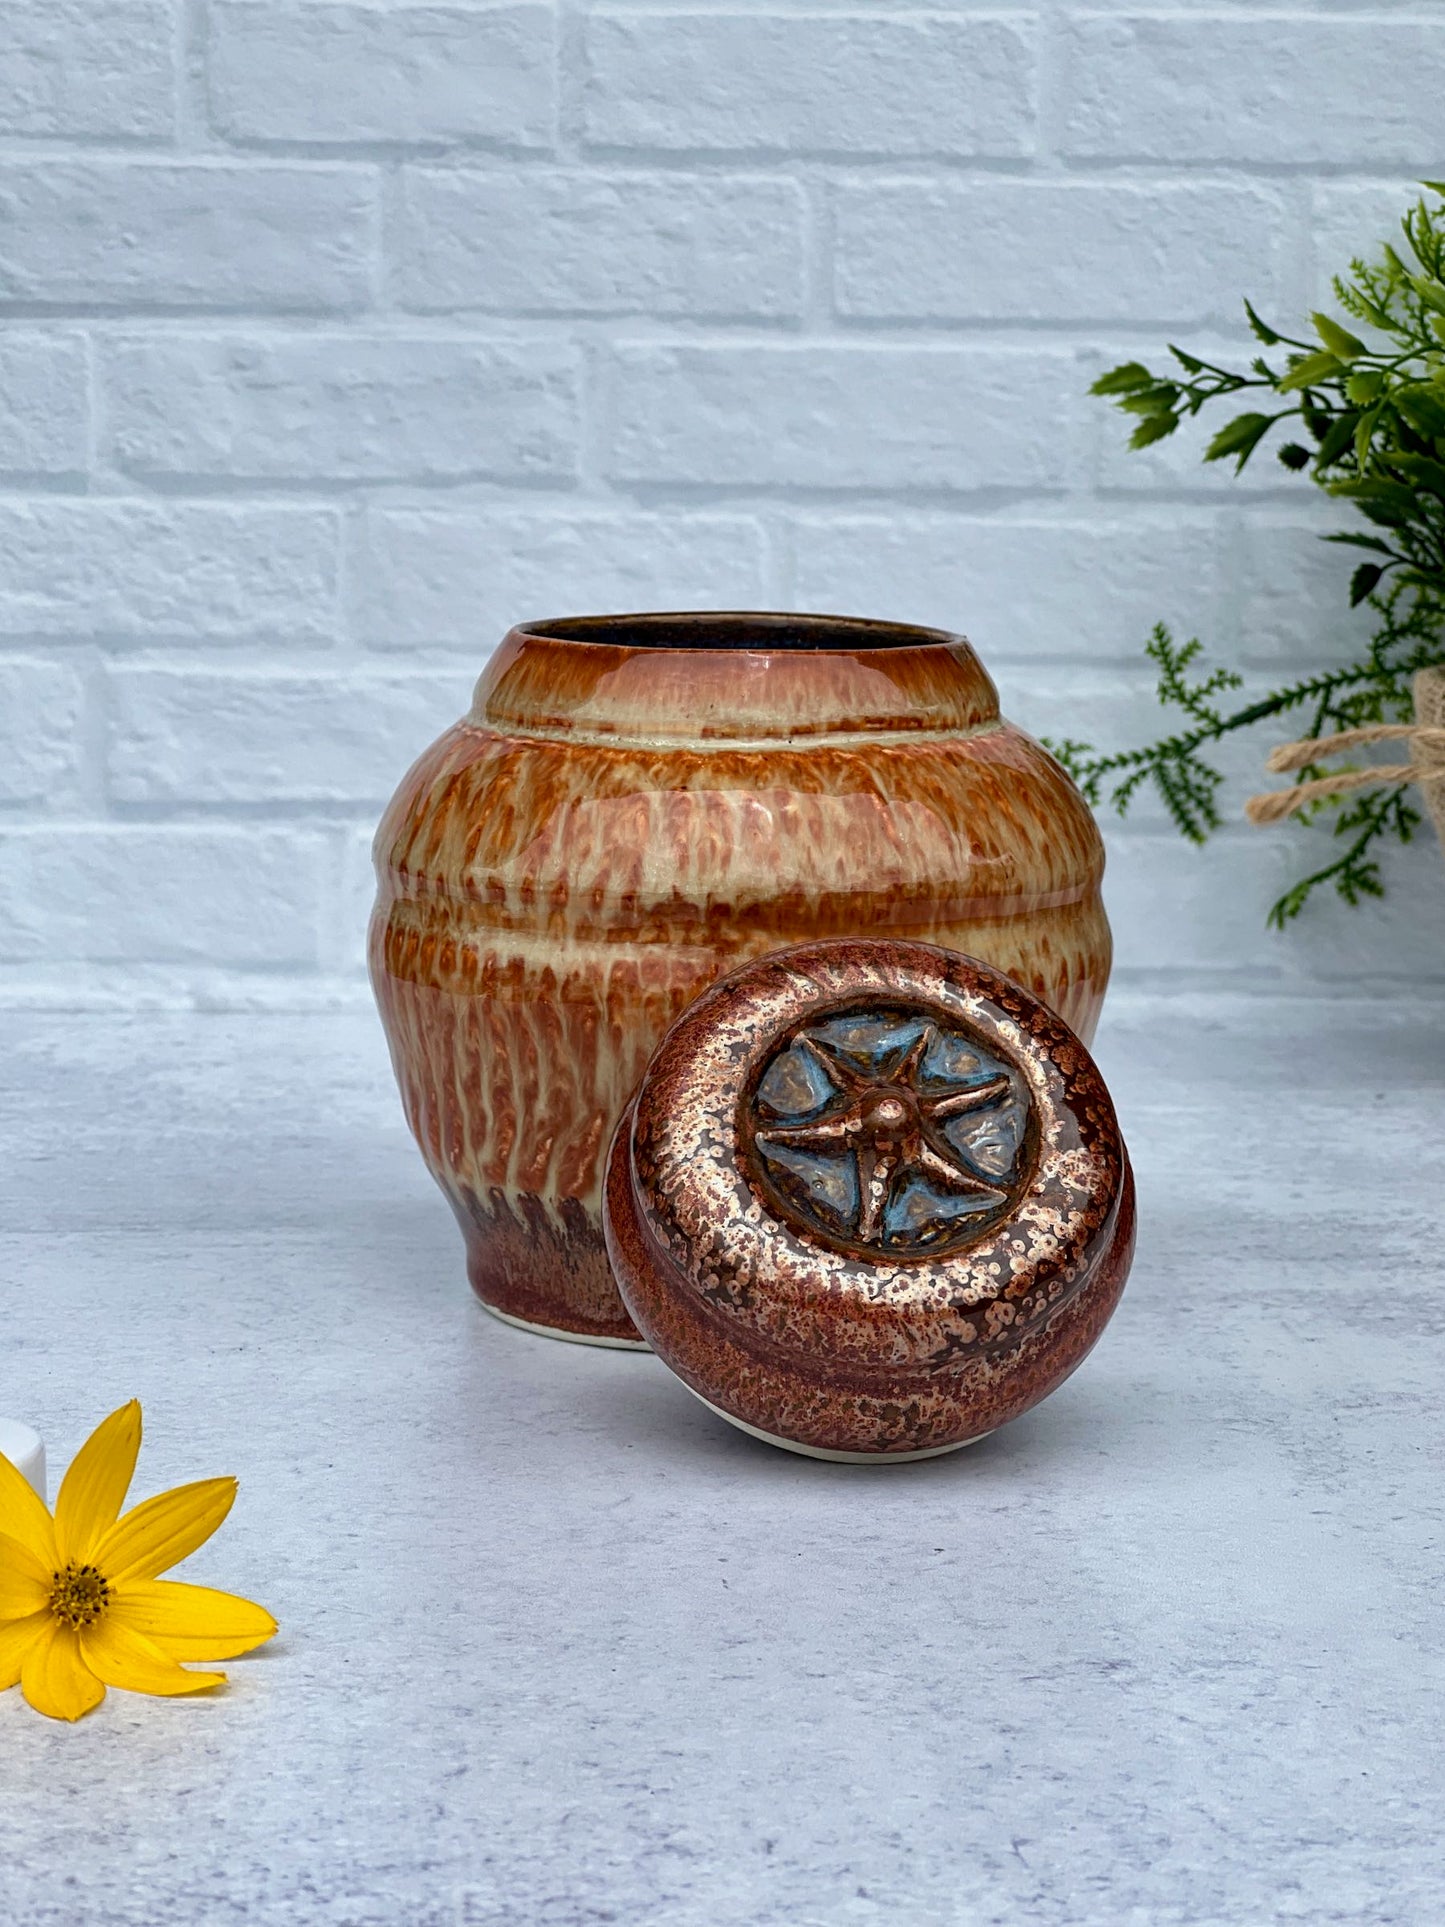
(637, 804)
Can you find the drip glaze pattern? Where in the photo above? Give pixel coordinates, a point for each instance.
(633, 807)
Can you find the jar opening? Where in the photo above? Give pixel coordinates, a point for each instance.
(754, 630)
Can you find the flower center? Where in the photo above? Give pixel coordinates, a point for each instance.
(79, 1595)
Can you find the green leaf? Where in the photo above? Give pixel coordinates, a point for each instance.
(1293, 455)
(1263, 331)
(1365, 386)
(1364, 430)
(1312, 369)
(1373, 488)
(1158, 400)
(1240, 438)
(1429, 292)
(1363, 581)
(1153, 428)
(1338, 438)
(1352, 538)
(1123, 380)
(1388, 504)
(1338, 340)
(1422, 408)
(1386, 515)
(1423, 470)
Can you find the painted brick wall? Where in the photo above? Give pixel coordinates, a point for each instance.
(336, 333)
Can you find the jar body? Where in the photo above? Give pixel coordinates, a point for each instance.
(633, 807)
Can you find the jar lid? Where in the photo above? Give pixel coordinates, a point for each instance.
(870, 1199)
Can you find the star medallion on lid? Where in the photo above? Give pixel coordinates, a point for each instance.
(889, 1131)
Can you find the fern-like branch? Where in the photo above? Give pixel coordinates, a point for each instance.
(1371, 427)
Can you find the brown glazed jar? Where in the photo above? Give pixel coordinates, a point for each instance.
(636, 805)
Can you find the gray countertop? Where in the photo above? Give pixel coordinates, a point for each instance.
(561, 1649)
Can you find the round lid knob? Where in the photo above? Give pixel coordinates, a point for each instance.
(870, 1199)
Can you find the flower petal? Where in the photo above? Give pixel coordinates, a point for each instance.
(25, 1585)
(17, 1636)
(191, 1622)
(154, 1536)
(25, 1516)
(93, 1490)
(122, 1657)
(54, 1677)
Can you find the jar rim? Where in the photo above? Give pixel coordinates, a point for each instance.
(740, 631)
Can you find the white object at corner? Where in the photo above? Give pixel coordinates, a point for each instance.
(25, 1450)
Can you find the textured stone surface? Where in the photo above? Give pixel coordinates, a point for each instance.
(1021, 586)
(311, 409)
(459, 577)
(1190, 85)
(1031, 251)
(38, 764)
(775, 78)
(555, 243)
(218, 895)
(233, 736)
(82, 68)
(168, 572)
(44, 406)
(425, 72)
(560, 1648)
(135, 235)
(830, 417)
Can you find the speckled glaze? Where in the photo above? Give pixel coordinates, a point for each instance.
(635, 805)
(870, 1200)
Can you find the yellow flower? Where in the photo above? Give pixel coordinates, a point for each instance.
(81, 1606)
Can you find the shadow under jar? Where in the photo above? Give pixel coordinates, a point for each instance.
(634, 806)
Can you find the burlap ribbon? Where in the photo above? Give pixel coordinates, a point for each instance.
(1425, 736)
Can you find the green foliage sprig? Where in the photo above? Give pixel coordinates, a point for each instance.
(1369, 416)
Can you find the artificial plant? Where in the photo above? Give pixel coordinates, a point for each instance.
(1368, 426)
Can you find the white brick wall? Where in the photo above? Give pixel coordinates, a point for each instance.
(318, 409)
(335, 334)
(407, 74)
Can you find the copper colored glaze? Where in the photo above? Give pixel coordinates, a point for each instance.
(633, 806)
(956, 1215)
